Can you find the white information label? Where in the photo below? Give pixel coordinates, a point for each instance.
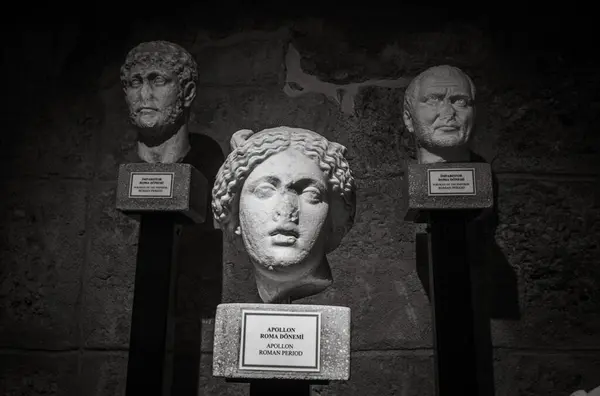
(151, 185)
(456, 181)
(280, 341)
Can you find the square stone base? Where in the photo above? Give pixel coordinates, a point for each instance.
(446, 186)
(176, 188)
(334, 352)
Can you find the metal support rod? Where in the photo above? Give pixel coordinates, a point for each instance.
(452, 304)
(146, 372)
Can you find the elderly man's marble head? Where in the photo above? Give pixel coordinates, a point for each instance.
(159, 80)
(439, 110)
(289, 194)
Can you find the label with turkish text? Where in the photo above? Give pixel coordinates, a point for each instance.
(455, 181)
(280, 341)
(151, 185)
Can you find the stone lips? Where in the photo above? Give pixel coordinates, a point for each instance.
(417, 199)
(188, 196)
(335, 342)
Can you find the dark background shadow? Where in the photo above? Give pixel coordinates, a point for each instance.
(199, 275)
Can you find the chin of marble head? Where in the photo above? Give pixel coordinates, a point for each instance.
(288, 195)
(439, 110)
(159, 80)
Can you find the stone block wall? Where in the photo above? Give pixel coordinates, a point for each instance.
(68, 257)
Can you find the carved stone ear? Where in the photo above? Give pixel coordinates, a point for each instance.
(239, 137)
(408, 121)
(189, 93)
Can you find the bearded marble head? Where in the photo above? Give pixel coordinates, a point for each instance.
(288, 194)
(159, 80)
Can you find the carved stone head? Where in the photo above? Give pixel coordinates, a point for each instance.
(159, 80)
(439, 110)
(289, 195)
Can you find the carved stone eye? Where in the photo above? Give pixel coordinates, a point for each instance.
(461, 102)
(135, 83)
(159, 80)
(264, 190)
(312, 194)
(433, 100)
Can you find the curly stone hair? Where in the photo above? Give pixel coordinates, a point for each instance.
(163, 54)
(329, 156)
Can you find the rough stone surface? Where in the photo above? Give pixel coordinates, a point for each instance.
(42, 243)
(239, 284)
(108, 279)
(385, 374)
(187, 195)
(37, 374)
(549, 233)
(546, 373)
(375, 263)
(529, 128)
(209, 385)
(416, 189)
(244, 59)
(342, 54)
(103, 373)
(57, 140)
(117, 141)
(219, 112)
(208, 335)
(335, 342)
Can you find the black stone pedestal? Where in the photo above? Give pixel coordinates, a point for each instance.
(151, 302)
(163, 197)
(452, 304)
(449, 196)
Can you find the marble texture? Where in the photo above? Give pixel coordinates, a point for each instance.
(335, 342)
(418, 200)
(187, 191)
(439, 110)
(159, 81)
(288, 196)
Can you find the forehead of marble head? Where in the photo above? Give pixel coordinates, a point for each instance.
(162, 55)
(443, 71)
(329, 156)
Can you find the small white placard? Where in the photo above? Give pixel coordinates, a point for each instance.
(455, 181)
(151, 185)
(280, 341)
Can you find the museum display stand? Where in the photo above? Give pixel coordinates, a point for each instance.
(448, 197)
(163, 197)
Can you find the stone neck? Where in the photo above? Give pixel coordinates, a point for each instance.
(274, 287)
(172, 150)
(454, 154)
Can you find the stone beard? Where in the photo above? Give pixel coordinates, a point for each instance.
(157, 117)
(290, 196)
(159, 81)
(439, 110)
